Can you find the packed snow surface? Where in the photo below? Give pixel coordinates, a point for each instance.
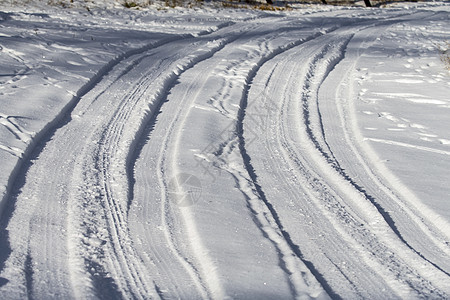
(215, 153)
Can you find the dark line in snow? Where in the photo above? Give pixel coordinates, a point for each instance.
(159, 291)
(105, 286)
(247, 162)
(295, 248)
(149, 121)
(335, 163)
(17, 178)
(28, 268)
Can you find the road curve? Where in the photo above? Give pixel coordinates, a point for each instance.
(223, 165)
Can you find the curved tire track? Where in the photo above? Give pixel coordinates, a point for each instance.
(46, 197)
(213, 94)
(303, 152)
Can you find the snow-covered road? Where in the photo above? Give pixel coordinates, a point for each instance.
(224, 154)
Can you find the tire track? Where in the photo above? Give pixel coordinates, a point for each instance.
(37, 142)
(166, 219)
(420, 285)
(415, 281)
(250, 169)
(407, 232)
(300, 271)
(190, 91)
(54, 214)
(410, 221)
(113, 150)
(317, 135)
(207, 285)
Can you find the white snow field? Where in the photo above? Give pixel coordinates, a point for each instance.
(214, 153)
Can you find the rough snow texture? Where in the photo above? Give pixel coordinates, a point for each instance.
(224, 154)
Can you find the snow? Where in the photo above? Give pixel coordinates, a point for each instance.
(224, 153)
